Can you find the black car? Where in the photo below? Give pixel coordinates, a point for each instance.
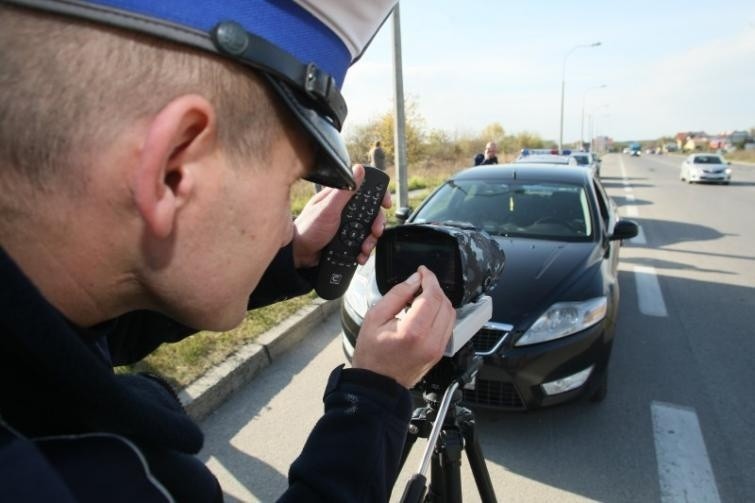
(555, 304)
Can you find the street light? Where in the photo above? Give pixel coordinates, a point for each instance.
(563, 86)
(582, 128)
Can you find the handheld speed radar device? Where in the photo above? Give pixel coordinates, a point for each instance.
(466, 261)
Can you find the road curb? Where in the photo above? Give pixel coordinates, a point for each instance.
(212, 389)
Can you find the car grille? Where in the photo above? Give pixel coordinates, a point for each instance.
(493, 394)
(489, 338)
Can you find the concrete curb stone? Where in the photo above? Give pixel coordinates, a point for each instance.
(212, 389)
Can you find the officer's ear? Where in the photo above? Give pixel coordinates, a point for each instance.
(178, 142)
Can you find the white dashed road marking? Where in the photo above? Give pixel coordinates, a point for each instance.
(649, 291)
(631, 211)
(684, 470)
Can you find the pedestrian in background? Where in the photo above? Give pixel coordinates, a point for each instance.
(377, 156)
(490, 156)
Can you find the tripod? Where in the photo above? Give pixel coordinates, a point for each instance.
(450, 428)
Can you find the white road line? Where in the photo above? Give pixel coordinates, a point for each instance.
(649, 293)
(684, 470)
(639, 239)
(627, 188)
(621, 167)
(631, 211)
(630, 197)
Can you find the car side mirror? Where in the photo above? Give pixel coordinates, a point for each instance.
(402, 214)
(624, 229)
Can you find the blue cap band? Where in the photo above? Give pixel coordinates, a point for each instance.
(305, 37)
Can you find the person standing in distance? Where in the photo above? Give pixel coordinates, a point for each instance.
(147, 152)
(377, 156)
(490, 156)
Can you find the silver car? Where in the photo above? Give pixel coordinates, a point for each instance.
(705, 168)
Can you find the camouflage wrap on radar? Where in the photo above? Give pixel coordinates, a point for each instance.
(482, 259)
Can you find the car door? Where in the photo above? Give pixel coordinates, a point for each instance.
(608, 216)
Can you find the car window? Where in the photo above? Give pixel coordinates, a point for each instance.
(582, 160)
(540, 210)
(602, 203)
(708, 159)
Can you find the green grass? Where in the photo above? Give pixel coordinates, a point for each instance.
(183, 362)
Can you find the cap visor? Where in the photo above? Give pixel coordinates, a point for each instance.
(332, 166)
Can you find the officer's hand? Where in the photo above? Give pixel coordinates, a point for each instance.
(319, 220)
(406, 348)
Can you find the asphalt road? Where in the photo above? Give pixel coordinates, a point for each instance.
(676, 423)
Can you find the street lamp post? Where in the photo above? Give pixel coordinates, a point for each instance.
(563, 87)
(582, 127)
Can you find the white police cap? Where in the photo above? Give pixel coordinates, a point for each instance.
(302, 47)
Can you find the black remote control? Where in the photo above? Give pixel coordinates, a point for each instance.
(339, 259)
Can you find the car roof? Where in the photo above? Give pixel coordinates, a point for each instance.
(527, 172)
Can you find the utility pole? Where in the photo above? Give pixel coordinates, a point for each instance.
(399, 136)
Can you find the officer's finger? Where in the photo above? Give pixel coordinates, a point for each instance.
(421, 316)
(396, 299)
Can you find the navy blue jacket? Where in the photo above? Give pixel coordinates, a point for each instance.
(72, 430)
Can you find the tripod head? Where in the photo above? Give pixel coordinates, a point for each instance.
(457, 362)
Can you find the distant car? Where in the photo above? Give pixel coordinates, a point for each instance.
(705, 168)
(588, 160)
(555, 304)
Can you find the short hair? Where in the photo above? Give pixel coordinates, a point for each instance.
(70, 87)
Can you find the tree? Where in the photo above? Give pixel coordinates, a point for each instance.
(380, 128)
(493, 132)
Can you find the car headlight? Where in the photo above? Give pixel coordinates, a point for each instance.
(565, 318)
(363, 292)
(355, 300)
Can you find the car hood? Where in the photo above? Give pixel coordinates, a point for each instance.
(710, 167)
(537, 273)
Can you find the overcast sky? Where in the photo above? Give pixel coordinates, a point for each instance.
(668, 66)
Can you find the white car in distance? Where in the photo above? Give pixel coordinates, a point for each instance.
(705, 168)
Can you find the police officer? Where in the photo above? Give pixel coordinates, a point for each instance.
(147, 150)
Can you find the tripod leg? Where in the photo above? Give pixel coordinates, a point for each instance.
(445, 485)
(452, 465)
(476, 460)
(437, 490)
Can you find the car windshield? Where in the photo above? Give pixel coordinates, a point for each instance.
(708, 159)
(539, 210)
(582, 160)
